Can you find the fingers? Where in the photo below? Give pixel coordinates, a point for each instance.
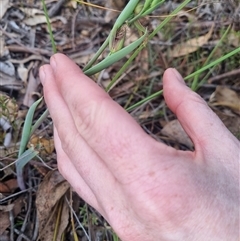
(69, 172)
(83, 158)
(103, 124)
(198, 120)
(100, 183)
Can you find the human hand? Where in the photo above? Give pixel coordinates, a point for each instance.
(146, 190)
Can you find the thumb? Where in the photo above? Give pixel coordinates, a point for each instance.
(201, 124)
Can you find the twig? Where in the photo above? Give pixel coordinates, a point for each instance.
(24, 49)
(75, 215)
(25, 222)
(225, 75)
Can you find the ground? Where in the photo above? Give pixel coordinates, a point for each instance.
(198, 35)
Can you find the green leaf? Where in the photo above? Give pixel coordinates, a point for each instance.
(26, 133)
(111, 59)
(21, 162)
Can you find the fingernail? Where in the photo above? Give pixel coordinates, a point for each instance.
(178, 76)
(42, 74)
(53, 62)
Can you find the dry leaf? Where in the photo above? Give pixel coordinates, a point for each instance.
(45, 146)
(31, 11)
(191, 45)
(4, 5)
(40, 19)
(16, 208)
(224, 96)
(174, 130)
(8, 186)
(4, 188)
(22, 72)
(50, 191)
(234, 38)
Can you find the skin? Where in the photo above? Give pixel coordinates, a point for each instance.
(146, 190)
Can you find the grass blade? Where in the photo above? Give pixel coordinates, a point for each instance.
(235, 51)
(54, 48)
(22, 160)
(26, 133)
(111, 59)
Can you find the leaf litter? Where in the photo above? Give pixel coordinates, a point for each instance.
(42, 212)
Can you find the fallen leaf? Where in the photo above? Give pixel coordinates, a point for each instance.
(224, 96)
(45, 146)
(16, 208)
(8, 186)
(40, 19)
(191, 45)
(31, 11)
(234, 38)
(22, 73)
(4, 5)
(50, 192)
(174, 130)
(4, 188)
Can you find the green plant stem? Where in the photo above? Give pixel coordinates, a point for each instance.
(49, 27)
(137, 51)
(115, 57)
(124, 67)
(145, 100)
(124, 15)
(195, 83)
(228, 55)
(39, 121)
(167, 19)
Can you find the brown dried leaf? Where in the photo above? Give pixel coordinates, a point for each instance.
(224, 96)
(191, 45)
(45, 146)
(16, 208)
(174, 130)
(41, 19)
(8, 186)
(50, 191)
